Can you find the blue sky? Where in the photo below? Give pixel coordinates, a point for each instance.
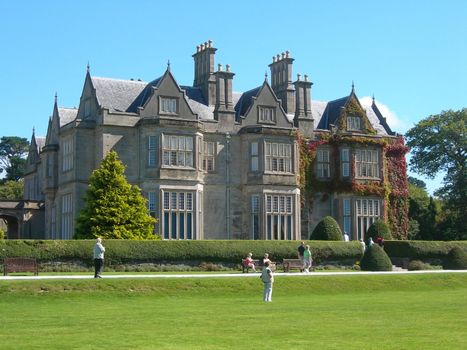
(412, 54)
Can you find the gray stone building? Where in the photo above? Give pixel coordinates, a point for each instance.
(212, 163)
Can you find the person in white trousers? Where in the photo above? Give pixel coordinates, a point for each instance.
(268, 279)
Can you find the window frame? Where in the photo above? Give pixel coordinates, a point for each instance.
(323, 163)
(173, 156)
(209, 153)
(354, 123)
(278, 157)
(367, 164)
(267, 114)
(178, 208)
(168, 105)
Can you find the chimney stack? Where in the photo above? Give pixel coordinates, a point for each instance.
(204, 70)
(303, 117)
(224, 105)
(281, 80)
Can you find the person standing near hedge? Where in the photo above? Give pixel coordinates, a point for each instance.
(268, 279)
(307, 259)
(98, 251)
(301, 250)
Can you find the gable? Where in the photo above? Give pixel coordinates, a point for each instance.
(352, 118)
(265, 109)
(165, 98)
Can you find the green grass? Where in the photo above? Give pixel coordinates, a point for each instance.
(426, 311)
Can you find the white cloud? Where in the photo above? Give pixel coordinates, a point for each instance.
(395, 123)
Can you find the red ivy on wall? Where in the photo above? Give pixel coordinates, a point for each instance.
(393, 186)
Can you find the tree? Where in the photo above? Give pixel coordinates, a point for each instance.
(327, 230)
(13, 151)
(424, 210)
(114, 209)
(417, 182)
(11, 190)
(439, 144)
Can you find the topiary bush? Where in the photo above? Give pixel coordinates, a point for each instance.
(327, 230)
(378, 229)
(456, 259)
(375, 259)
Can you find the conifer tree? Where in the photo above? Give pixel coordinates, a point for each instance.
(114, 209)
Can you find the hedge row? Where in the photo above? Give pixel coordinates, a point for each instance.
(421, 250)
(122, 251)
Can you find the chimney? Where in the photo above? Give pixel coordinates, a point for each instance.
(303, 118)
(281, 80)
(204, 70)
(224, 104)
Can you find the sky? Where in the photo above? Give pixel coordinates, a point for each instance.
(411, 55)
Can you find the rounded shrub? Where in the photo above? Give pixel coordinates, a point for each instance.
(327, 230)
(456, 259)
(378, 229)
(375, 259)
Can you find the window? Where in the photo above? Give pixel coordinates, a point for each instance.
(177, 151)
(347, 219)
(152, 150)
(278, 157)
(255, 217)
(367, 212)
(266, 114)
(323, 169)
(152, 204)
(209, 154)
(367, 164)
(279, 217)
(67, 216)
(254, 156)
(177, 214)
(168, 105)
(67, 155)
(353, 123)
(345, 162)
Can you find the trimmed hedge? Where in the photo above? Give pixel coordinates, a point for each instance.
(327, 230)
(129, 251)
(378, 229)
(375, 259)
(456, 259)
(421, 250)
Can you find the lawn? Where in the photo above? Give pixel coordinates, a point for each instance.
(426, 311)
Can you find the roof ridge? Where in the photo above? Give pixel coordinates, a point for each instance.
(119, 79)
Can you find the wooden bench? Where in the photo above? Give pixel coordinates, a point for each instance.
(292, 263)
(258, 265)
(20, 265)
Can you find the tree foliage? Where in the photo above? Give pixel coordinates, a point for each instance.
(114, 209)
(439, 144)
(327, 230)
(13, 151)
(12, 190)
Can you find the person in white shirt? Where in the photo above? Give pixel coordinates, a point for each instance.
(98, 253)
(268, 279)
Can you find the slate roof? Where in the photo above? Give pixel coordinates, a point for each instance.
(244, 102)
(117, 94)
(67, 115)
(128, 95)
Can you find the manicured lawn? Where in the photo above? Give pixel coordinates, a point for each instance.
(317, 312)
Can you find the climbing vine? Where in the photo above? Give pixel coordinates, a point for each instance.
(392, 186)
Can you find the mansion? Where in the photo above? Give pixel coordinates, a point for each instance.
(218, 164)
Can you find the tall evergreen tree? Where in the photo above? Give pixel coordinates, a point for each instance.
(114, 209)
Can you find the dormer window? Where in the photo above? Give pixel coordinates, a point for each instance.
(168, 105)
(266, 114)
(354, 123)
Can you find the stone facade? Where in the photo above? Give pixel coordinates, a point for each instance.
(213, 163)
